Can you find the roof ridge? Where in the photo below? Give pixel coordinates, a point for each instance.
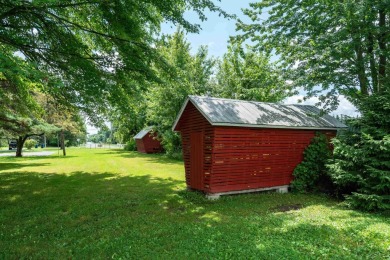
(250, 101)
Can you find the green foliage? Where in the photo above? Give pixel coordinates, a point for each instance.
(19, 80)
(310, 174)
(30, 143)
(172, 145)
(240, 75)
(130, 145)
(361, 166)
(129, 120)
(191, 77)
(249, 75)
(361, 171)
(107, 204)
(328, 48)
(31, 127)
(109, 46)
(325, 47)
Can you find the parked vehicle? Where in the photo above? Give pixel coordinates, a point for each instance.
(12, 144)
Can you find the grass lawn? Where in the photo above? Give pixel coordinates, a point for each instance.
(98, 203)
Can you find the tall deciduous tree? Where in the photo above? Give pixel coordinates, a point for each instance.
(326, 47)
(249, 75)
(191, 76)
(129, 120)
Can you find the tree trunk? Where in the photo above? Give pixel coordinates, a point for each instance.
(360, 70)
(383, 49)
(63, 143)
(374, 73)
(19, 145)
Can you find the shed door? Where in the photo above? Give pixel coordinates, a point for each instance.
(196, 161)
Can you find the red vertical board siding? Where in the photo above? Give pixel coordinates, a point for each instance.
(148, 144)
(140, 145)
(196, 162)
(193, 121)
(240, 158)
(252, 158)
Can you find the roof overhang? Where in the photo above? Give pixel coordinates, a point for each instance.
(141, 134)
(182, 110)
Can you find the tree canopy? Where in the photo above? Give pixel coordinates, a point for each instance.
(191, 77)
(88, 49)
(249, 75)
(326, 47)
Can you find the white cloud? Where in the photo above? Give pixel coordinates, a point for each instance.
(345, 107)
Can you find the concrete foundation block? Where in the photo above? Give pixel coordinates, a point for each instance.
(279, 189)
(213, 196)
(283, 189)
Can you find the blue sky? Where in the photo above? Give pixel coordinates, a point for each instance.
(216, 30)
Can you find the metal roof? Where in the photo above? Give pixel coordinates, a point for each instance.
(231, 112)
(143, 132)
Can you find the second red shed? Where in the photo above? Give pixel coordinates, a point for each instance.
(147, 142)
(234, 146)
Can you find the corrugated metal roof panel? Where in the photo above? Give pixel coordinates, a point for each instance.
(219, 111)
(143, 132)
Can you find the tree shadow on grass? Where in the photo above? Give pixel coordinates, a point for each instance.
(16, 163)
(104, 215)
(35, 158)
(15, 166)
(156, 157)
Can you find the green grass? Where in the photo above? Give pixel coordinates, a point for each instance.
(113, 204)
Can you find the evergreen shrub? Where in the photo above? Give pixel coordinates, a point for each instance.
(361, 166)
(310, 174)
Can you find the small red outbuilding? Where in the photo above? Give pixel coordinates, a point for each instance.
(233, 146)
(147, 142)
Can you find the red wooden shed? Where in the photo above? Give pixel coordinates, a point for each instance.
(147, 142)
(233, 146)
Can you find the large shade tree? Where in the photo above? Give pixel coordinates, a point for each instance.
(326, 47)
(191, 76)
(88, 48)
